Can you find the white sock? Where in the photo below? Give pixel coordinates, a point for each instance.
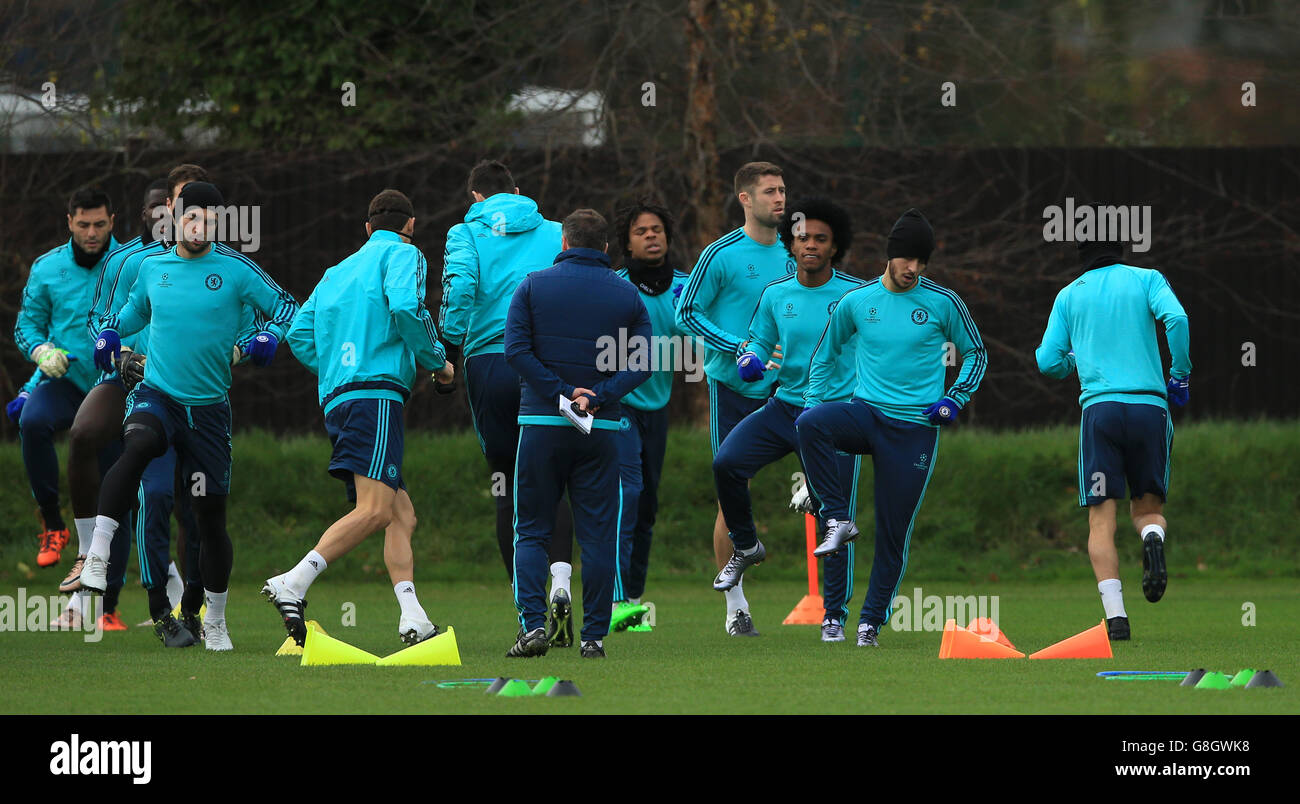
(216, 605)
(85, 532)
(301, 577)
(635, 601)
(1112, 597)
(411, 608)
(561, 574)
(78, 601)
(175, 585)
(748, 551)
(736, 599)
(1159, 531)
(103, 538)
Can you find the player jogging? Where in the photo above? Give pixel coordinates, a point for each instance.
(1103, 326)
(192, 298)
(903, 323)
(363, 332)
(502, 239)
(51, 332)
(645, 233)
(792, 311)
(716, 306)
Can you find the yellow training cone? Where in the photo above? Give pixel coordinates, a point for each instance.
(289, 648)
(438, 650)
(321, 649)
(313, 624)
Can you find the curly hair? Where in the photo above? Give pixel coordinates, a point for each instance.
(819, 209)
(626, 216)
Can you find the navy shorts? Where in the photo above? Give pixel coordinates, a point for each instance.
(726, 409)
(1122, 443)
(200, 435)
(367, 436)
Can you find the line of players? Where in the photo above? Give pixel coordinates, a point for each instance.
(800, 357)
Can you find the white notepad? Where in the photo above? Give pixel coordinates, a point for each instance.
(580, 420)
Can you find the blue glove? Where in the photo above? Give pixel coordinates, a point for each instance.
(1178, 390)
(943, 412)
(262, 348)
(15, 408)
(750, 367)
(108, 350)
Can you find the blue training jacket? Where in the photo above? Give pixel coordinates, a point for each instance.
(560, 319)
(503, 238)
(364, 328)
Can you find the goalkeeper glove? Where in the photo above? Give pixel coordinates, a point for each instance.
(52, 361)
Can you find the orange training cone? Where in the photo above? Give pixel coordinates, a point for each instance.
(970, 645)
(988, 629)
(1091, 644)
(945, 646)
(811, 609)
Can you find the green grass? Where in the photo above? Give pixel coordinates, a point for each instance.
(687, 665)
(1001, 506)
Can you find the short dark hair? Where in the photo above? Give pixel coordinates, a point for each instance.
(490, 177)
(749, 172)
(818, 209)
(390, 210)
(89, 198)
(626, 216)
(586, 228)
(183, 174)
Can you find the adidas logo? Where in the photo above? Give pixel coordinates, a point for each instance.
(408, 590)
(313, 563)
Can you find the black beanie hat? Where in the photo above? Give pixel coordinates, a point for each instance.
(911, 237)
(199, 194)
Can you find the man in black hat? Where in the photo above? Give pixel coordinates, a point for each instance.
(903, 323)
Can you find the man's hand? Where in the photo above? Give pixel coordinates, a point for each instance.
(131, 368)
(444, 379)
(14, 409)
(236, 355)
(943, 412)
(261, 350)
(108, 350)
(1178, 389)
(774, 362)
(750, 367)
(582, 399)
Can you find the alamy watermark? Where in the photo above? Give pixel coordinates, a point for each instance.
(232, 224)
(1087, 223)
(33, 613)
(656, 353)
(921, 612)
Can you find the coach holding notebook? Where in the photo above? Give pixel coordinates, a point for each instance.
(554, 331)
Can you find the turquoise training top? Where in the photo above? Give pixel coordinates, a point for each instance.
(195, 310)
(1107, 317)
(720, 298)
(654, 393)
(55, 302)
(364, 329)
(902, 348)
(503, 239)
(795, 316)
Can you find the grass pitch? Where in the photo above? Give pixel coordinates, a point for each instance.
(687, 665)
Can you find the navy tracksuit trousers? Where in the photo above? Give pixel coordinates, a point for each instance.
(764, 437)
(553, 459)
(903, 456)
